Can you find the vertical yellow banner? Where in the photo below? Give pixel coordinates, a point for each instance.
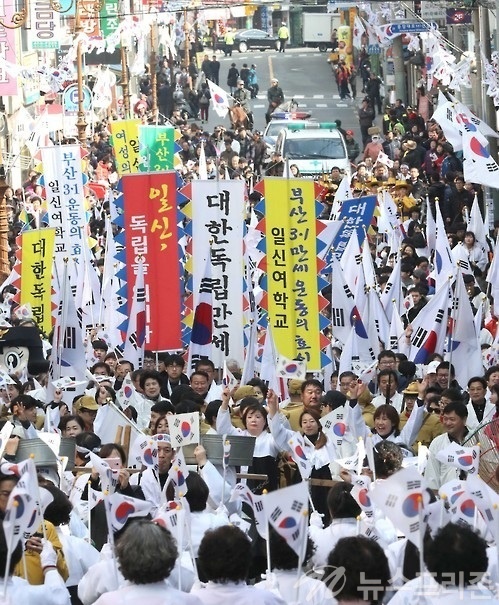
(125, 142)
(292, 283)
(36, 274)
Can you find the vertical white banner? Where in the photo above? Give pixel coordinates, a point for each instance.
(63, 182)
(45, 30)
(217, 229)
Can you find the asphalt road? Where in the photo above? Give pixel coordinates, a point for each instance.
(304, 75)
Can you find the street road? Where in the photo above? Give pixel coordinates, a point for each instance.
(304, 75)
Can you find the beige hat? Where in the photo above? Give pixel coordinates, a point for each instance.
(294, 386)
(244, 391)
(412, 389)
(86, 402)
(411, 145)
(373, 130)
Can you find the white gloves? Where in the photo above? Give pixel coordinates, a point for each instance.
(48, 556)
(316, 520)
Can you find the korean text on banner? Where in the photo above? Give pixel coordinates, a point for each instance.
(291, 242)
(217, 211)
(36, 274)
(125, 142)
(150, 211)
(63, 182)
(157, 148)
(356, 214)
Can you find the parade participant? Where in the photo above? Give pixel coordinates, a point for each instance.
(319, 452)
(454, 417)
(146, 554)
(255, 425)
(215, 70)
(480, 411)
(232, 77)
(284, 574)
(366, 116)
(86, 408)
(353, 148)
(224, 560)
(242, 97)
(343, 511)
(275, 97)
(173, 374)
(387, 419)
(431, 427)
(71, 425)
(366, 573)
(52, 591)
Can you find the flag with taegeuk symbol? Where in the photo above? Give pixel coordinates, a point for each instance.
(243, 492)
(219, 98)
(21, 508)
(148, 448)
(108, 476)
(120, 508)
(402, 498)
(178, 473)
(360, 493)
(299, 447)
(174, 521)
(291, 368)
(464, 458)
(184, 429)
(287, 512)
(334, 425)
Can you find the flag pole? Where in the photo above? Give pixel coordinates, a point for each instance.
(421, 543)
(267, 541)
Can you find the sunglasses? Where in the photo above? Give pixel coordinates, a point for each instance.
(434, 410)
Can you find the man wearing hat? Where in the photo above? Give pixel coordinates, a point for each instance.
(431, 428)
(353, 148)
(100, 349)
(275, 97)
(283, 35)
(374, 146)
(86, 408)
(405, 202)
(294, 406)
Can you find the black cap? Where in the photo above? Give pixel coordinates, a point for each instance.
(334, 399)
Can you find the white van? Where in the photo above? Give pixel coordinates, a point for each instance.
(315, 148)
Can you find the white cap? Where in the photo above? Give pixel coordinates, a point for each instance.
(431, 368)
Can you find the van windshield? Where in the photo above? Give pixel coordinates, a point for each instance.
(314, 148)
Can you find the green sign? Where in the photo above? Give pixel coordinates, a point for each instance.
(156, 148)
(109, 18)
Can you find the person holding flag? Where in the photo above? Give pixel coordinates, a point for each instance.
(255, 425)
(317, 448)
(51, 591)
(387, 419)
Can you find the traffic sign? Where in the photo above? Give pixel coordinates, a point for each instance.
(406, 28)
(70, 99)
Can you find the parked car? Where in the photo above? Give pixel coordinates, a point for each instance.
(250, 39)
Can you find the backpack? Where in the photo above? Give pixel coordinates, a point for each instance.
(204, 99)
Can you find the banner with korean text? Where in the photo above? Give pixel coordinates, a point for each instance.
(158, 148)
(291, 264)
(356, 214)
(125, 142)
(8, 81)
(37, 253)
(216, 211)
(149, 204)
(63, 180)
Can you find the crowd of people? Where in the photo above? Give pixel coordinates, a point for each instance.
(223, 556)
(78, 558)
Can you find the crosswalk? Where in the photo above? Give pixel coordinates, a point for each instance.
(310, 102)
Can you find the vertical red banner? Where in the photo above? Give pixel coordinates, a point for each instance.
(151, 232)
